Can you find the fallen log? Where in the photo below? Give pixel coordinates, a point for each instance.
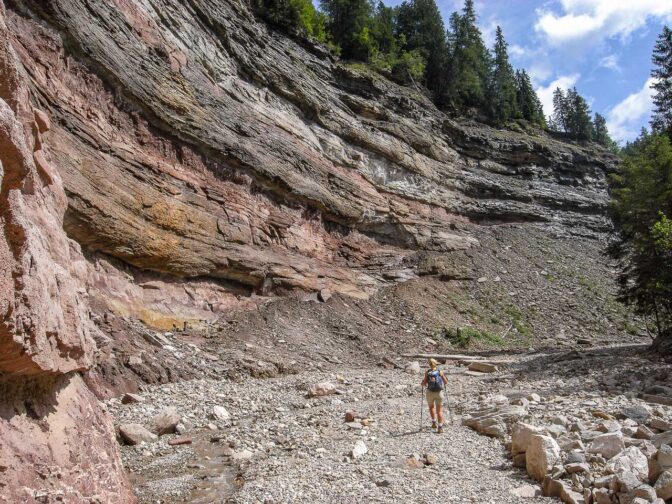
(444, 357)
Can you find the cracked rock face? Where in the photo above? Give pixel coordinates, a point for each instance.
(194, 142)
(48, 417)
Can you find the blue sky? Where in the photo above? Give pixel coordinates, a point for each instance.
(603, 47)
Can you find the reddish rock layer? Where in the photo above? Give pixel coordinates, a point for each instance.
(49, 420)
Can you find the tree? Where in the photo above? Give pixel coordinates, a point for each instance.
(420, 25)
(580, 124)
(601, 133)
(661, 120)
(560, 116)
(349, 23)
(571, 114)
(292, 16)
(503, 96)
(468, 75)
(528, 102)
(640, 209)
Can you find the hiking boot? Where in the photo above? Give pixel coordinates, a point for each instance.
(434, 426)
(440, 429)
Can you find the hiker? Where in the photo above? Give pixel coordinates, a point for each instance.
(435, 381)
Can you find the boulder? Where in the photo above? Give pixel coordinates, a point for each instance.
(629, 460)
(322, 389)
(601, 496)
(607, 445)
(638, 412)
(542, 454)
(165, 422)
(134, 434)
(482, 367)
(663, 438)
(494, 421)
(520, 437)
(324, 295)
(663, 485)
(413, 367)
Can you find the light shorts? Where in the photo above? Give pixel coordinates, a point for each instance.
(435, 398)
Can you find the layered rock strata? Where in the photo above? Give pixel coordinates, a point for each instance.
(196, 143)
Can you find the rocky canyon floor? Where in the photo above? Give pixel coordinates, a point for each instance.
(267, 440)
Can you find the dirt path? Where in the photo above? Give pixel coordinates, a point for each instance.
(279, 446)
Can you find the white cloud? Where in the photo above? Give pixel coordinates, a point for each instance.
(545, 93)
(599, 19)
(624, 118)
(610, 62)
(517, 51)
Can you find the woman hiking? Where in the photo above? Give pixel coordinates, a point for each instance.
(435, 381)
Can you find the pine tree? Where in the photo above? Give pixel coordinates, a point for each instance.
(420, 24)
(600, 131)
(530, 106)
(503, 95)
(469, 73)
(384, 28)
(560, 116)
(349, 23)
(661, 121)
(580, 124)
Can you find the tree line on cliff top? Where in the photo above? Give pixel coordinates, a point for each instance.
(410, 44)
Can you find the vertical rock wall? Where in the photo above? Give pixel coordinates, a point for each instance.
(56, 442)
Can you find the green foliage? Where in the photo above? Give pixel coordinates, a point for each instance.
(641, 201)
(464, 337)
(470, 63)
(571, 114)
(503, 98)
(661, 120)
(420, 25)
(293, 16)
(528, 101)
(601, 133)
(349, 24)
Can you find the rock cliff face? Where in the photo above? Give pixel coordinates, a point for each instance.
(173, 159)
(195, 143)
(49, 420)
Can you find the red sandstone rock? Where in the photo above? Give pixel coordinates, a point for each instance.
(55, 440)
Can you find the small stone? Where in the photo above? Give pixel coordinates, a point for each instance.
(165, 422)
(607, 445)
(383, 483)
(431, 459)
(638, 412)
(220, 413)
(242, 455)
(324, 295)
(359, 450)
(134, 434)
(483, 367)
(350, 416)
(354, 425)
(526, 492)
(577, 468)
(180, 441)
(322, 389)
(132, 399)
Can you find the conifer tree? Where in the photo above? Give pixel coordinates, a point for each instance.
(420, 24)
(470, 69)
(580, 124)
(503, 96)
(528, 102)
(349, 23)
(661, 121)
(600, 131)
(560, 116)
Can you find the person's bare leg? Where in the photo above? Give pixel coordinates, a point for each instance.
(439, 412)
(432, 412)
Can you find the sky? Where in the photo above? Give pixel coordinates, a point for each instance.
(603, 47)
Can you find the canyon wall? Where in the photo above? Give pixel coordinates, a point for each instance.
(170, 160)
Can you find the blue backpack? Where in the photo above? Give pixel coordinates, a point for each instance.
(434, 381)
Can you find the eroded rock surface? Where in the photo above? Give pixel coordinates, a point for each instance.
(49, 420)
(196, 143)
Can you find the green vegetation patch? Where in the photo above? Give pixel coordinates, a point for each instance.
(464, 337)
